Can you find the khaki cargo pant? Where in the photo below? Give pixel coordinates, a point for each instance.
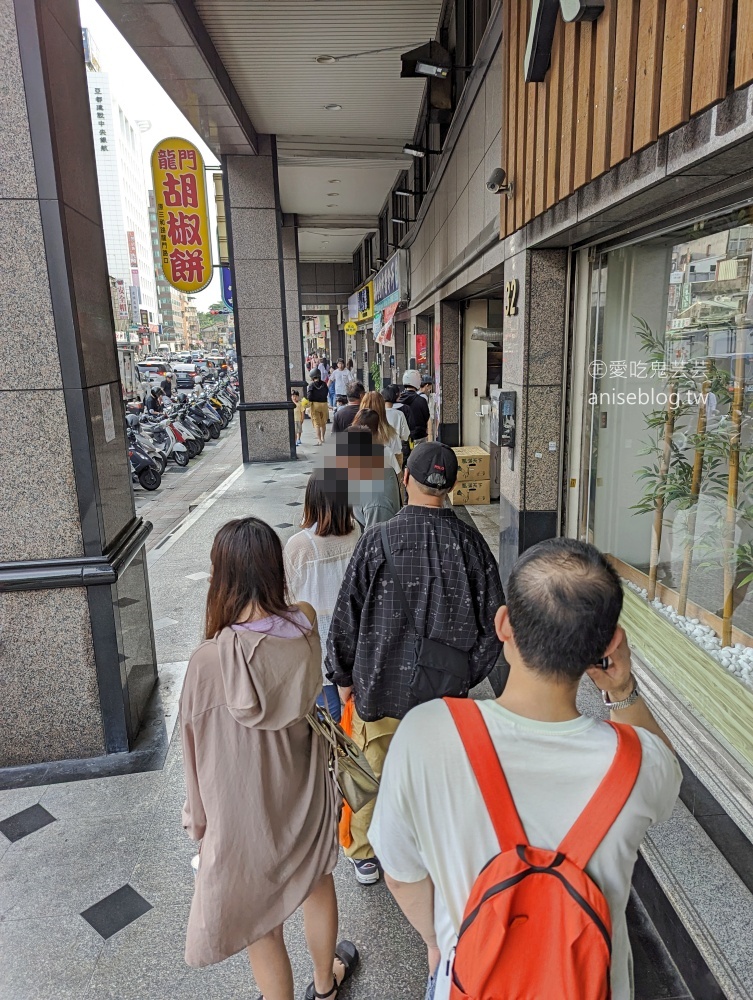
(374, 739)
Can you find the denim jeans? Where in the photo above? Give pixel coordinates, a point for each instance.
(330, 698)
(430, 987)
(331, 393)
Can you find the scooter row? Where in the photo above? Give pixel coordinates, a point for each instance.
(179, 432)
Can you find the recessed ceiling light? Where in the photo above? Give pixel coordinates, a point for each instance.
(326, 60)
(333, 107)
(333, 194)
(333, 181)
(331, 204)
(325, 243)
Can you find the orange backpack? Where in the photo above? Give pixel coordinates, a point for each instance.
(536, 926)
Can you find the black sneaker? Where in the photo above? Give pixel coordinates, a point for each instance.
(367, 870)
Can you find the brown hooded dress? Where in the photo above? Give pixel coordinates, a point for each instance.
(259, 793)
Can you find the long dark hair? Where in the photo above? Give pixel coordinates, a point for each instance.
(247, 568)
(326, 508)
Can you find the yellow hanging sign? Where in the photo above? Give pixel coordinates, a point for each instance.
(182, 214)
(351, 328)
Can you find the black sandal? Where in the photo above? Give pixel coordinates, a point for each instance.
(347, 952)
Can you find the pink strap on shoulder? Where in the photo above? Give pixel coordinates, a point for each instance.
(608, 800)
(489, 773)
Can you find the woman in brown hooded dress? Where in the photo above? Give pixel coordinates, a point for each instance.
(260, 797)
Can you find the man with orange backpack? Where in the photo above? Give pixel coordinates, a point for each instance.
(508, 829)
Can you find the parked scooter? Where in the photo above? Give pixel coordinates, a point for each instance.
(166, 439)
(144, 468)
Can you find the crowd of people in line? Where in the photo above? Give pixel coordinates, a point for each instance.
(507, 829)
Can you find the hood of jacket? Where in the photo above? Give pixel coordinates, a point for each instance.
(270, 683)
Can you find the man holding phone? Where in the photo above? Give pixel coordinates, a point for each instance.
(431, 828)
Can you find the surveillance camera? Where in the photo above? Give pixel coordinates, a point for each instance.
(496, 183)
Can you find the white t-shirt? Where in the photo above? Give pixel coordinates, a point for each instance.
(430, 818)
(397, 421)
(315, 567)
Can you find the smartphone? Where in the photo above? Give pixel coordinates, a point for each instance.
(604, 663)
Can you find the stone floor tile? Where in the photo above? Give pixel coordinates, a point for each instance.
(25, 823)
(132, 795)
(47, 959)
(13, 800)
(68, 866)
(116, 911)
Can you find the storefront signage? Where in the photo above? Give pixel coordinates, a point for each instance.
(390, 283)
(133, 256)
(361, 303)
(135, 304)
(182, 214)
(227, 287)
(351, 328)
(541, 31)
(122, 300)
(422, 350)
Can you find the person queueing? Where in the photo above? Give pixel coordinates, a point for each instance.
(381, 499)
(395, 415)
(386, 435)
(541, 765)
(316, 393)
(415, 407)
(316, 559)
(345, 416)
(449, 580)
(260, 797)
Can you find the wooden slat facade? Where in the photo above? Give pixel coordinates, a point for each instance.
(614, 86)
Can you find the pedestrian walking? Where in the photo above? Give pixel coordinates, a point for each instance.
(341, 378)
(331, 386)
(386, 434)
(316, 393)
(316, 559)
(260, 797)
(415, 407)
(345, 416)
(430, 587)
(295, 398)
(486, 779)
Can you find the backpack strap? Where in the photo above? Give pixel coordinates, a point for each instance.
(395, 578)
(608, 800)
(490, 776)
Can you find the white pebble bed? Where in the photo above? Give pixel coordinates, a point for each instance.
(737, 659)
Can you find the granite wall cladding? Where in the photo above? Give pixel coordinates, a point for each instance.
(265, 330)
(49, 700)
(534, 342)
(65, 490)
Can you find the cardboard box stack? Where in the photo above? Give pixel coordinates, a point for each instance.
(472, 484)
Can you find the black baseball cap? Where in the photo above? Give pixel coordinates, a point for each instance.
(433, 464)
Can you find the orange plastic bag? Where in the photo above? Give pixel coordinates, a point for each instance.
(346, 723)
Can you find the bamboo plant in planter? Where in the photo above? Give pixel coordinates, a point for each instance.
(719, 471)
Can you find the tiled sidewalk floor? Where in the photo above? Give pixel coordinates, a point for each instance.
(95, 876)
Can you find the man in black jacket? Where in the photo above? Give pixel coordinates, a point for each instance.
(415, 407)
(452, 586)
(316, 393)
